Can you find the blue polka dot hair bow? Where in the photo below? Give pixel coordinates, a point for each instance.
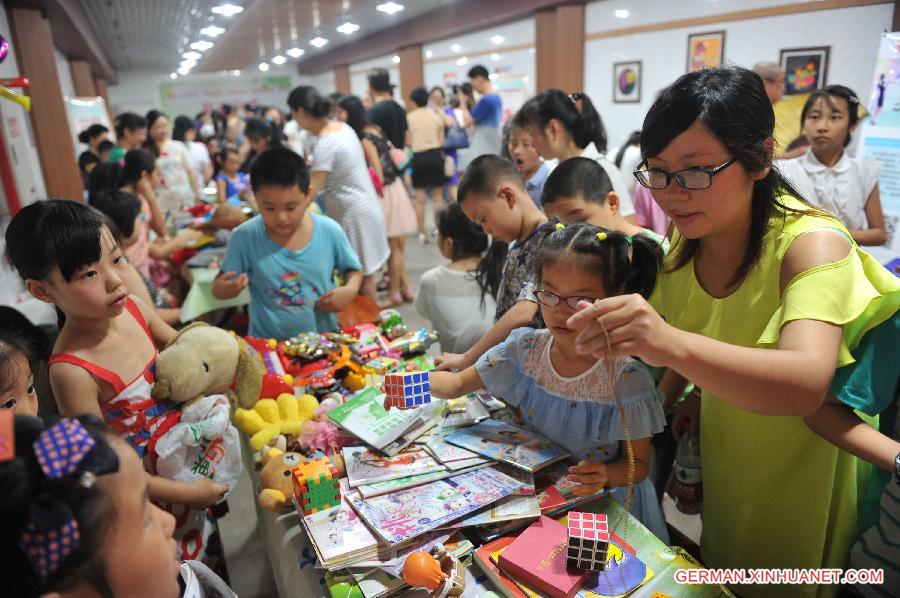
(67, 455)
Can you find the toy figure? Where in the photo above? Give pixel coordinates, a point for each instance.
(438, 571)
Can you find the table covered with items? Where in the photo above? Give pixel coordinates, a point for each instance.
(366, 486)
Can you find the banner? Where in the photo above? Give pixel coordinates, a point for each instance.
(880, 140)
(190, 97)
(84, 112)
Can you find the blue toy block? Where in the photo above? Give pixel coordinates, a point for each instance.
(407, 390)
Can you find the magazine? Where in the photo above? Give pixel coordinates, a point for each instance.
(402, 515)
(506, 509)
(365, 417)
(366, 466)
(338, 535)
(388, 486)
(517, 446)
(444, 452)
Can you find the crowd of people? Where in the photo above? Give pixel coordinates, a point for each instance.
(699, 252)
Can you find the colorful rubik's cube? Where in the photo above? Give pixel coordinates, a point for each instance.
(407, 390)
(588, 541)
(316, 485)
(382, 365)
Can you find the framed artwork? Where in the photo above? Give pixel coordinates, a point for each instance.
(805, 69)
(705, 50)
(627, 82)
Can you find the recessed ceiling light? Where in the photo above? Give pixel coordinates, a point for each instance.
(296, 52)
(228, 10)
(428, 53)
(173, 75)
(188, 64)
(192, 55)
(622, 13)
(279, 59)
(263, 66)
(212, 31)
(390, 7)
(495, 57)
(183, 71)
(318, 41)
(455, 48)
(395, 59)
(462, 61)
(497, 40)
(348, 28)
(236, 72)
(202, 45)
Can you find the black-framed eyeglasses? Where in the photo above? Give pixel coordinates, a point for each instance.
(551, 299)
(692, 178)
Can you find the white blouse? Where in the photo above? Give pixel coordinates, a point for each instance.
(842, 190)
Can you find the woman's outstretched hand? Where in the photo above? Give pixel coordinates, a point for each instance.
(633, 326)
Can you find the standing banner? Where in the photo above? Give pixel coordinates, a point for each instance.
(84, 112)
(880, 140)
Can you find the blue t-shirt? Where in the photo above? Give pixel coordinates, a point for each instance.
(285, 284)
(488, 110)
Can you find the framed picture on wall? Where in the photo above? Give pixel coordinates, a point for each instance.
(805, 69)
(627, 82)
(705, 50)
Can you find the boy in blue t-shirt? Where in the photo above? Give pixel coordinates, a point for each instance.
(287, 256)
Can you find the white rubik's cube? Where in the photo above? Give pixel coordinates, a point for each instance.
(407, 390)
(588, 541)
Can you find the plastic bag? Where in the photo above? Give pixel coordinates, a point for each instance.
(202, 444)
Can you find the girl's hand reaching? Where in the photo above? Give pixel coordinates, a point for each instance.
(204, 493)
(633, 325)
(590, 477)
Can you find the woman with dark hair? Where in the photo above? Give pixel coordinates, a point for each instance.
(339, 171)
(178, 187)
(398, 212)
(185, 131)
(93, 136)
(564, 126)
(426, 137)
(763, 301)
(260, 136)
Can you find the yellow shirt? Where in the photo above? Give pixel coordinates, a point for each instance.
(774, 493)
(425, 129)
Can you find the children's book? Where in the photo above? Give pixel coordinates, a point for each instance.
(366, 466)
(402, 515)
(502, 583)
(465, 411)
(388, 486)
(388, 431)
(464, 464)
(503, 442)
(506, 509)
(445, 452)
(538, 557)
(339, 537)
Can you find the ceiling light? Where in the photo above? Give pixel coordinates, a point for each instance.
(279, 59)
(428, 53)
(493, 76)
(348, 28)
(395, 59)
(390, 7)
(236, 72)
(622, 13)
(318, 41)
(173, 75)
(495, 57)
(462, 61)
(202, 45)
(263, 66)
(212, 31)
(192, 55)
(228, 10)
(455, 48)
(296, 52)
(497, 40)
(183, 71)
(188, 64)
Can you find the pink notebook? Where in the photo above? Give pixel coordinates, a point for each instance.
(538, 557)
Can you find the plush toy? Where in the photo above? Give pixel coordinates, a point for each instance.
(319, 433)
(203, 360)
(275, 480)
(271, 417)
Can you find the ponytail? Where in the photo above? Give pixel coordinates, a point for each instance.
(646, 262)
(308, 98)
(574, 111)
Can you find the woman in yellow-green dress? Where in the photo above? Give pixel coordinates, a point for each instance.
(763, 298)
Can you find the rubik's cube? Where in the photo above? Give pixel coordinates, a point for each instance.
(588, 541)
(407, 390)
(382, 365)
(316, 485)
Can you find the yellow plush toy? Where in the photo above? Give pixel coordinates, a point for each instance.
(271, 417)
(275, 479)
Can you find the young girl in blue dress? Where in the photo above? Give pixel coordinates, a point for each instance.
(568, 397)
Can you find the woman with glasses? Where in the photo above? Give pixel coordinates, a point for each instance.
(762, 299)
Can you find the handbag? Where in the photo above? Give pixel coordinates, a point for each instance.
(456, 138)
(449, 166)
(399, 157)
(376, 182)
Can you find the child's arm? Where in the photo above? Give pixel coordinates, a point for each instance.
(836, 423)
(162, 249)
(161, 332)
(519, 315)
(372, 158)
(449, 385)
(75, 390)
(316, 182)
(339, 298)
(221, 187)
(593, 476)
(200, 494)
(157, 219)
(229, 285)
(876, 234)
